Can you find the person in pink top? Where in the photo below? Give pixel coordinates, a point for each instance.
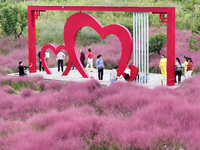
(90, 60)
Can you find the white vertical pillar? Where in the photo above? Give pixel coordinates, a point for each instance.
(134, 50)
(142, 44)
(136, 44)
(147, 46)
(139, 42)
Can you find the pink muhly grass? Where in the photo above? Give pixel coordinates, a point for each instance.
(70, 144)
(72, 124)
(79, 93)
(53, 85)
(122, 115)
(8, 89)
(27, 92)
(41, 84)
(190, 89)
(50, 119)
(126, 101)
(84, 129)
(28, 79)
(7, 128)
(31, 140)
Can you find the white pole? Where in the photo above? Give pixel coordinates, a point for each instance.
(147, 46)
(134, 57)
(136, 42)
(142, 42)
(139, 41)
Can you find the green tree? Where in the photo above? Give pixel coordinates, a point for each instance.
(194, 44)
(13, 19)
(157, 42)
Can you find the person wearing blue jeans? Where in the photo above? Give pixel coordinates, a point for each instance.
(73, 67)
(100, 67)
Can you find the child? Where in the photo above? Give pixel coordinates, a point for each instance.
(113, 75)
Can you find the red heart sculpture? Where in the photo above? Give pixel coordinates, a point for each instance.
(73, 25)
(134, 72)
(56, 50)
(79, 20)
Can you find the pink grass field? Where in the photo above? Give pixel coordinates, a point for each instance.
(48, 115)
(84, 115)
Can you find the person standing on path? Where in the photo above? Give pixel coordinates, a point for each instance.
(60, 57)
(163, 66)
(184, 65)
(90, 60)
(82, 58)
(178, 70)
(100, 66)
(40, 63)
(189, 67)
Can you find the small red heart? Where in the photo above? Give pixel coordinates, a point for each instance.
(134, 73)
(56, 51)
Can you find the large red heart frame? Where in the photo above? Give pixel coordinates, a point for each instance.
(73, 24)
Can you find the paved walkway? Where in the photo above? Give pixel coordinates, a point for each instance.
(154, 79)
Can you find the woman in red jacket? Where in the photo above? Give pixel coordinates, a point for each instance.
(90, 60)
(189, 67)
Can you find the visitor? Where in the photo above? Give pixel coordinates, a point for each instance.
(163, 66)
(60, 57)
(184, 65)
(178, 70)
(23, 70)
(127, 73)
(100, 66)
(189, 67)
(73, 67)
(82, 58)
(40, 62)
(90, 60)
(113, 75)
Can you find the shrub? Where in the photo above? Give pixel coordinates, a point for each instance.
(157, 42)
(194, 43)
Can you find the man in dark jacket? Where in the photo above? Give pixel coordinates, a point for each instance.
(40, 63)
(23, 69)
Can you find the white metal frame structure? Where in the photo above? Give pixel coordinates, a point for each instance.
(141, 45)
